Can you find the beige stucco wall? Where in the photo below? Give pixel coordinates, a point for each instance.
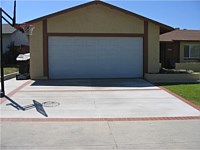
(153, 48)
(95, 19)
(182, 50)
(36, 51)
(195, 66)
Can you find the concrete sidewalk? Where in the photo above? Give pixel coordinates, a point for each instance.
(123, 135)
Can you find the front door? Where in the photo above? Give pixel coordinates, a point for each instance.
(169, 54)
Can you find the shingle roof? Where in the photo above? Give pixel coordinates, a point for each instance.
(180, 35)
(7, 29)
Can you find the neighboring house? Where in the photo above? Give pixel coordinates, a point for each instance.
(21, 41)
(95, 40)
(19, 38)
(12, 36)
(180, 49)
(7, 31)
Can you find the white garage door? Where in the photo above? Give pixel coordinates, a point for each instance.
(95, 57)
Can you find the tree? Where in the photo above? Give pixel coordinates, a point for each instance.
(11, 55)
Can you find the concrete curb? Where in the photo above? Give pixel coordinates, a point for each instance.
(10, 76)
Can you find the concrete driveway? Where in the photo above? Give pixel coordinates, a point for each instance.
(125, 98)
(95, 115)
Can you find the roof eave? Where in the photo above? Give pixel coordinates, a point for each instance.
(7, 33)
(60, 12)
(188, 40)
(179, 40)
(163, 28)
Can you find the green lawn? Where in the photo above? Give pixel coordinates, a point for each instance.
(188, 91)
(8, 70)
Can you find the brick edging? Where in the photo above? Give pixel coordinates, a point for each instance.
(2, 100)
(109, 90)
(181, 98)
(97, 119)
(177, 96)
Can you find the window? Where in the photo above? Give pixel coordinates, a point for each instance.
(192, 51)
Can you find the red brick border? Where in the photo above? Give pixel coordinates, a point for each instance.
(117, 90)
(2, 100)
(96, 119)
(181, 98)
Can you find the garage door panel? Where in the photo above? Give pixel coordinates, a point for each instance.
(95, 57)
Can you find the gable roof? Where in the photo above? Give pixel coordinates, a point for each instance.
(7, 29)
(163, 28)
(181, 35)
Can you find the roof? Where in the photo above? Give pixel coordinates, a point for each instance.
(163, 28)
(7, 29)
(180, 35)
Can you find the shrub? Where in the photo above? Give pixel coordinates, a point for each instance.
(175, 71)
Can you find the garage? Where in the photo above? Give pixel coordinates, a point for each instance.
(95, 57)
(94, 40)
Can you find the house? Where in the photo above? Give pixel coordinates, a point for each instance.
(13, 36)
(7, 31)
(180, 49)
(94, 40)
(21, 41)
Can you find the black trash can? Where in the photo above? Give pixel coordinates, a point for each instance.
(23, 61)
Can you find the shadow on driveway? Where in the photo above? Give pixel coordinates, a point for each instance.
(95, 83)
(38, 106)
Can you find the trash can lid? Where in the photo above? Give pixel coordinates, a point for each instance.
(23, 57)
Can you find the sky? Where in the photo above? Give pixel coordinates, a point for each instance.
(183, 14)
